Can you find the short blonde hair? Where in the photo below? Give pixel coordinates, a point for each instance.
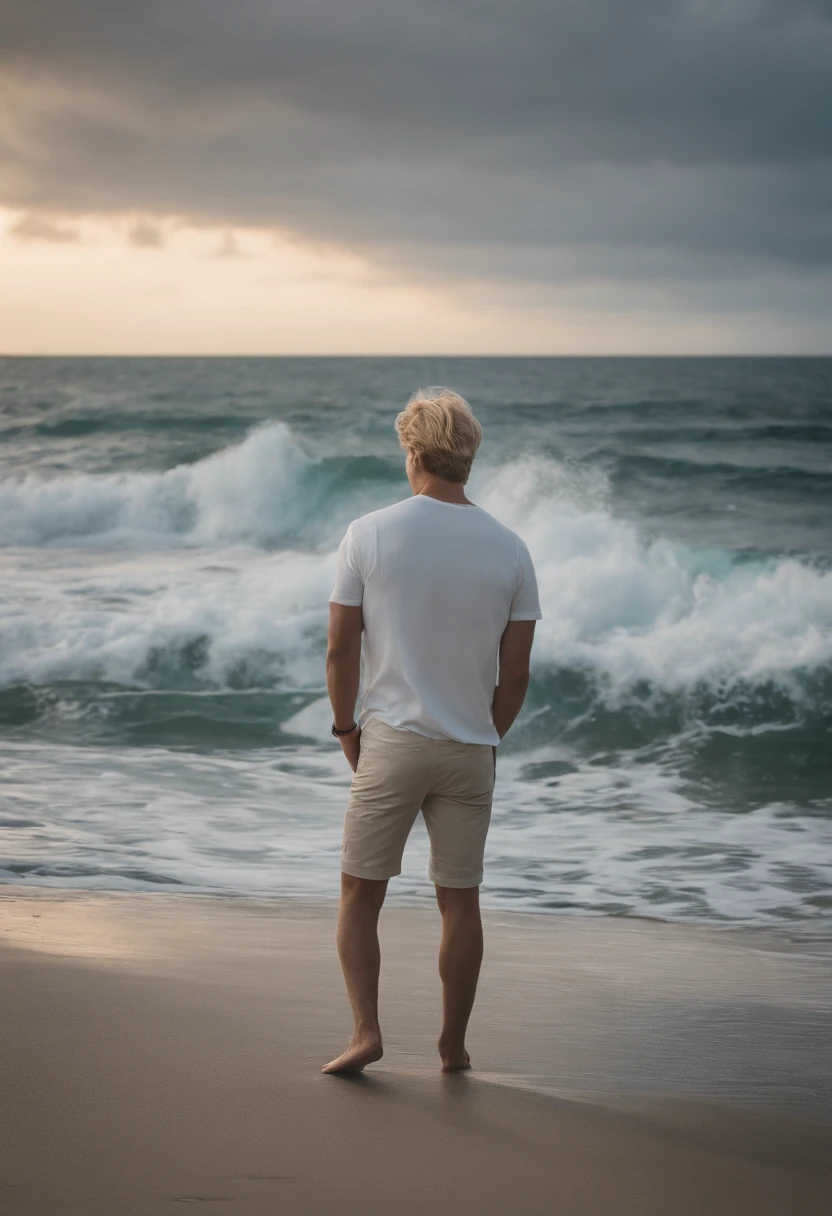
(437, 426)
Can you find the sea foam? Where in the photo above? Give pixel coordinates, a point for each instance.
(251, 492)
(623, 607)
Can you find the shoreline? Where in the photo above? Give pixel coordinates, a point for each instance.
(813, 936)
(162, 1049)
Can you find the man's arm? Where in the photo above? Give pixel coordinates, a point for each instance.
(515, 649)
(343, 671)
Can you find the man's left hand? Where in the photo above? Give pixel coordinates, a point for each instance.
(351, 747)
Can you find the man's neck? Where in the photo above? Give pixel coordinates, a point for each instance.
(445, 491)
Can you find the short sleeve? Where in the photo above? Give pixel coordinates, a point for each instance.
(349, 579)
(526, 605)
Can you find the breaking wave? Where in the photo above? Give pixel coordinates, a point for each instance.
(634, 626)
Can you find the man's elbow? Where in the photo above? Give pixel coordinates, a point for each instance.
(516, 678)
(340, 653)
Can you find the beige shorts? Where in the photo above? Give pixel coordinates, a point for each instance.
(400, 773)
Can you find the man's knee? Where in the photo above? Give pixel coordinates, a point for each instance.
(453, 899)
(364, 890)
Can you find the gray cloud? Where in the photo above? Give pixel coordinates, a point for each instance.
(145, 236)
(548, 140)
(38, 228)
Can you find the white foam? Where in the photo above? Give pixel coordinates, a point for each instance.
(257, 618)
(621, 606)
(629, 609)
(600, 839)
(250, 492)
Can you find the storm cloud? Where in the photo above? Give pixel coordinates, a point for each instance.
(549, 141)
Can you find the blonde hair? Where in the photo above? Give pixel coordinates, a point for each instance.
(437, 426)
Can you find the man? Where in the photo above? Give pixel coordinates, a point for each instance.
(439, 591)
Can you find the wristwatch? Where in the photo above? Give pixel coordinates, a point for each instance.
(338, 733)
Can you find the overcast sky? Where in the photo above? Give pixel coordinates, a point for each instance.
(401, 175)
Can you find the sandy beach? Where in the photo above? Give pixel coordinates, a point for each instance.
(165, 1050)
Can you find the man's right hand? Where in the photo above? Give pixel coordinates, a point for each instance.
(351, 747)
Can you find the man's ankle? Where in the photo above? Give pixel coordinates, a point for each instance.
(450, 1043)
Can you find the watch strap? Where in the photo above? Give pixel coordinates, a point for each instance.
(338, 733)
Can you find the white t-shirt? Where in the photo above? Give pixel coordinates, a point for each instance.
(438, 583)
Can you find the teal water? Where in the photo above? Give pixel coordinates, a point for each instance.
(167, 539)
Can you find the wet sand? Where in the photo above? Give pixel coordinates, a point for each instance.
(159, 1050)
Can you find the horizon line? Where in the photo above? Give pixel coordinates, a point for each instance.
(420, 355)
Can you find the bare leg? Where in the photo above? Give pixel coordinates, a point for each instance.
(360, 954)
(460, 956)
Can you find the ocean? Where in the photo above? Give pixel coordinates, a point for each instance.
(168, 530)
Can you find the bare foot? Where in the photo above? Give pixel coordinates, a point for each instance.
(359, 1053)
(454, 1059)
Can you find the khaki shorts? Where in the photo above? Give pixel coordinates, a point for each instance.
(400, 773)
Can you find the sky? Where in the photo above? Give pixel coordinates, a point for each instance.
(415, 176)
